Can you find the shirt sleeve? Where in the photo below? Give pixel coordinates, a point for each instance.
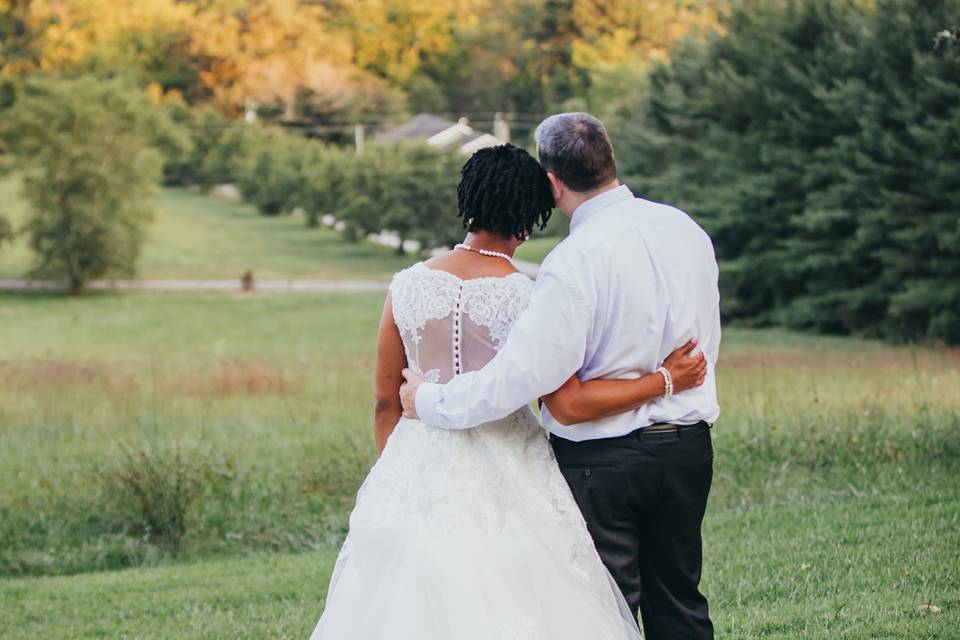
(544, 348)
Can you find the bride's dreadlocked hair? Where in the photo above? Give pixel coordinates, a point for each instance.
(505, 191)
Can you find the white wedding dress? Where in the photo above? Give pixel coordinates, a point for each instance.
(474, 534)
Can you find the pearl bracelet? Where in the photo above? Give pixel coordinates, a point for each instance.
(667, 382)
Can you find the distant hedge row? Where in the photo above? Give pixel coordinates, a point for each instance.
(819, 143)
(408, 189)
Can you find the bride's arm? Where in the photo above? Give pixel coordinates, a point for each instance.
(391, 360)
(577, 401)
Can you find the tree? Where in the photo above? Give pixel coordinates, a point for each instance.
(6, 231)
(409, 189)
(326, 180)
(337, 62)
(147, 40)
(7, 97)
(513, 56)
(286, 56)
(877, 243)
(207, 130)
(282, 55)
(89, 151)
(818, 143)
(272, 172)
(617, 41)
(420, 196)
(392, 37)
(18, 53)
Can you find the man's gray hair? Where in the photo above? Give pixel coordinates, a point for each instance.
(575, 147)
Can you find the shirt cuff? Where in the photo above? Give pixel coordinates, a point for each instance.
(427, 402)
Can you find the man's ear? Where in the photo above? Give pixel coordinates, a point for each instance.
(555, 185)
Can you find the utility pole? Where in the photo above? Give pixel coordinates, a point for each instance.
(358, 137)
(501, 128)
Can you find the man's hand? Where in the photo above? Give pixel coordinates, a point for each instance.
(408, 393)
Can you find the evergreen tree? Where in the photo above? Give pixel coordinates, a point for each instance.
(888, 189)
(817, 142)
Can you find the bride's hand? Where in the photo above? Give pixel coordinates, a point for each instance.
(688, 372)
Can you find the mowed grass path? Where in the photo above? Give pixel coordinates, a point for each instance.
(835, 511)
(199, 236)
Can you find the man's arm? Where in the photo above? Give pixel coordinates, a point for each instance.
(545, 347)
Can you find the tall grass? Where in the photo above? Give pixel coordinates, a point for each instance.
(159, 486)
(273, 426)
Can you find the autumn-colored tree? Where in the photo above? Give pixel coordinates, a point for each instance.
(341, 61)
(280, 55)
(393, 37)
(18, 54)
(148, 40)
(531, 57)
(617, 41)
(613, 33)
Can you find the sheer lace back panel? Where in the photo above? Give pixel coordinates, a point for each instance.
(450, 325)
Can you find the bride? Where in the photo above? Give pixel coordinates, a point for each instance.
(474, 535)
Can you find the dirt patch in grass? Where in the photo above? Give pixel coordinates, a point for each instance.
(50, 372)
(225, 377)
(238, 377)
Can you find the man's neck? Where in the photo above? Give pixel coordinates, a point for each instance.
(583, 196)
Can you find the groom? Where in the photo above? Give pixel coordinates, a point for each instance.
(633, 281)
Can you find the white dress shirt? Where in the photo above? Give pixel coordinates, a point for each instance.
(633, 281)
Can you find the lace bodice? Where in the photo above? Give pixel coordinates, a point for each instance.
(450, 325)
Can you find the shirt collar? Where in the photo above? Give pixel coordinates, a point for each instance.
(590, 207)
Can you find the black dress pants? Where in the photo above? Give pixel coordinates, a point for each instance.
(643, 497)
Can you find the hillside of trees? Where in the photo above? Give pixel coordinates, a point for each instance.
(339, 62)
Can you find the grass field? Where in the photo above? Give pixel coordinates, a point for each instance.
(198, 236)
(835, 511)
(536, 249)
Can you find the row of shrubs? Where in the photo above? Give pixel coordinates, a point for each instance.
(409, 189)
(92, 152)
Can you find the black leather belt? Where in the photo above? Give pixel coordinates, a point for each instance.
(660, 428)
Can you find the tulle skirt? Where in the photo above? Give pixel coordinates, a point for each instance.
(470, 535)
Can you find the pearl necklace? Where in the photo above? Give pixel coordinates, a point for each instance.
(484, 252)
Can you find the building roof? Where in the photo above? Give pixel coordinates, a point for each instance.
(421, 127)
(439, 132)
(479, 141)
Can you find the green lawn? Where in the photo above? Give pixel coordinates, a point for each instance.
(263, 596)
(199, 236)
(536, 249)
(834, 512)
(842, 566)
